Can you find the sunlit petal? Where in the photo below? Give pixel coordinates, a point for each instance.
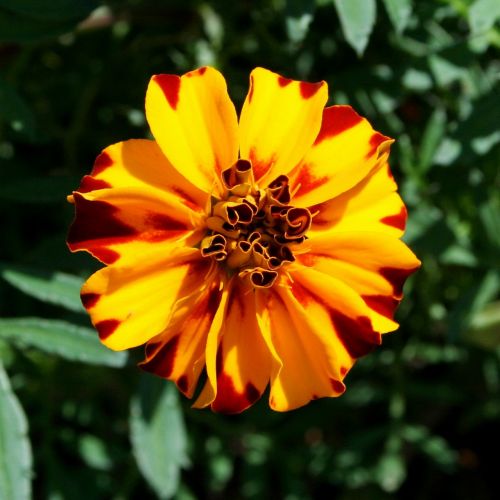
(132, 302)
(194, 123)
(344, 152)
(279, 121)
(242, 361)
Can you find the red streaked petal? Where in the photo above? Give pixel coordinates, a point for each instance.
(178, 353)
(347, 313)
(396, 220)
(372, 264)
(135, 298)
(238, 361)
(195, 124)
(345, 151)
(372, 205)
(305, 358)
(337, 119)
(112, 223)
(140, 163)
(279, 121)
(243, 362)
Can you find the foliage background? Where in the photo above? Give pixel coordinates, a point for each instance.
(419, 416)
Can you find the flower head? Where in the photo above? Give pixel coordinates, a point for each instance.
(264, 250)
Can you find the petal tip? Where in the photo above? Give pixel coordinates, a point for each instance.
(170, 85)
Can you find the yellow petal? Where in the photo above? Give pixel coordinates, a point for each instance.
(194, 122)
(113, 223)
(372, 264)
(132, 302)
(371, 205)
(242, 362)
(141, 163)
(279, 121)
(178, 353)
(344, 152)
(309, 361)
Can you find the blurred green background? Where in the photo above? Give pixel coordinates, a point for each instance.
(420, 416)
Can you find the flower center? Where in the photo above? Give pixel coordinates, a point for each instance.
(252, 231)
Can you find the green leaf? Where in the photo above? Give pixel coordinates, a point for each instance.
(357, 18)
(457, 255)
(447, 152)
(472, 301)
(445, 71)
(13, 108)
(432, 137)
(53, 10)
(399, 12)
(158, 435)
(489, 214)
(483, 15)
(213, 25)
(435, 447)
(94, 453)
(479, 128)
(416, 80)
(390, 472)
(37, 190)
(15, 449)
(485, 327)
(53, 287)
(71, 342)
(298, 16)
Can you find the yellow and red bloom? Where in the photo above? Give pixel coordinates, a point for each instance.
(264, 250)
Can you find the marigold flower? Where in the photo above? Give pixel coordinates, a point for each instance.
(264, 250)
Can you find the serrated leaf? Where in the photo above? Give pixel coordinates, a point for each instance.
(399, 12)
(357, 18)
(158, 435)
(15, 450)
(71, 342)
(52, 287)
(54, 10)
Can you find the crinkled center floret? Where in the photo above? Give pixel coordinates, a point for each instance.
(253, 231)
